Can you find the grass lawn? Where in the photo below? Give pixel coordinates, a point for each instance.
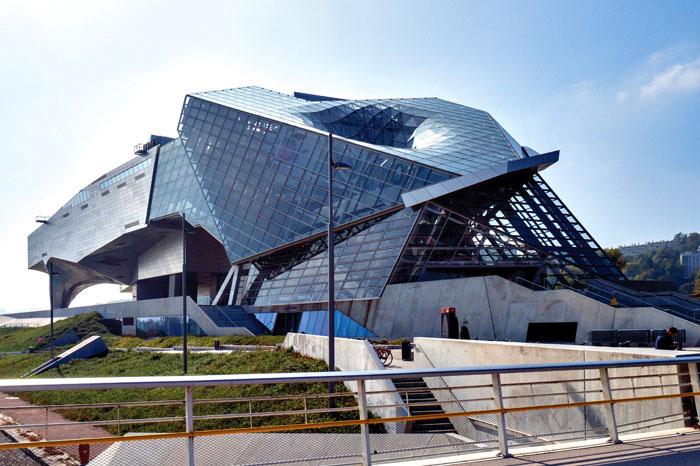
(84, 325)
(114, 341)
(130, 363)
(20, 339)
(124, 364)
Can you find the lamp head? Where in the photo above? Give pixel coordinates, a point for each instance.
(341, 166)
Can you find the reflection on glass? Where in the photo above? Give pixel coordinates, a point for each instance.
(165, 326)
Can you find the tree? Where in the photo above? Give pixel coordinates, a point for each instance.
(616, 257)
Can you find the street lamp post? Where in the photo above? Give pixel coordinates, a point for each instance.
(184, 296)
(331, 264)
(51, 306)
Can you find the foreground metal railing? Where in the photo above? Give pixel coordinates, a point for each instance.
(476, 400)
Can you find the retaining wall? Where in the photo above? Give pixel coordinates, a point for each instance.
(354, 355)
(496, 308)
(631, 417)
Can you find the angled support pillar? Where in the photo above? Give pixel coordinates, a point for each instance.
(223, 285)
(500, 417)
(609, 407)
(235, 283)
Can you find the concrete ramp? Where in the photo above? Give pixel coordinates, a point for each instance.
(88, 348)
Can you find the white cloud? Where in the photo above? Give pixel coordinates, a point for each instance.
(681, 77)
(670, 55)
(622, 97)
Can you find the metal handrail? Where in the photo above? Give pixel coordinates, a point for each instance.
(605, 298)
(576, 290)
(642, 294)
(650, 295)
(607, 401)
(80, 383)
(617, 290)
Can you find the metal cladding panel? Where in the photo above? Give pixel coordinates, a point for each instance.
(101, 212)
(266, 182)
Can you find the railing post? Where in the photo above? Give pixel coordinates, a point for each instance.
(500, 417)
(364, 428)
(609, 407)
(189, 424)
(695, 384)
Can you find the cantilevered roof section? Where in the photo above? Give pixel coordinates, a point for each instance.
(536, 162)
(430, 131)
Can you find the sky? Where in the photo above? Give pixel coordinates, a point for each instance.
(613, 85)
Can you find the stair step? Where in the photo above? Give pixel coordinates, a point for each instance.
(440, 420)
(409, 381)
(415, 430)
(423, 395)
(434, 409)
(418, 396)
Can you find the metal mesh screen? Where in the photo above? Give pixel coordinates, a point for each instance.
(171, 452)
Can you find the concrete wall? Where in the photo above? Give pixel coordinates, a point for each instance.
(144, 308)
(639, 417)
(496, 308)
(353, 355)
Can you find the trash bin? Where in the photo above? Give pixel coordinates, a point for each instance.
(406, 349)
(217, 346)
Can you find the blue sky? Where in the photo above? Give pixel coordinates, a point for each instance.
(614, 85)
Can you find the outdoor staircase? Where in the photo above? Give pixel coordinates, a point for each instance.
(417, 394)
(234, 316)
(672, 302)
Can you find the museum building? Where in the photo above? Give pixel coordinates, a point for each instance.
(431, 191)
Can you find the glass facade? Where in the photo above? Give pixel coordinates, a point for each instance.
(250, 166)
(267, 319)
(163, 326)
(82, 196)
(126, 173)
(363, 264)
(266, 182)
(316, 323)
(431, 131)
(523, 206)
(175, 189)
(517, 228)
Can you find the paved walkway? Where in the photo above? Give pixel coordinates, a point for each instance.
(660, 449)
(678, 450)
(38, 416)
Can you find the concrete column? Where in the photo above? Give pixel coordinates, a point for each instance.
(171, 285)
